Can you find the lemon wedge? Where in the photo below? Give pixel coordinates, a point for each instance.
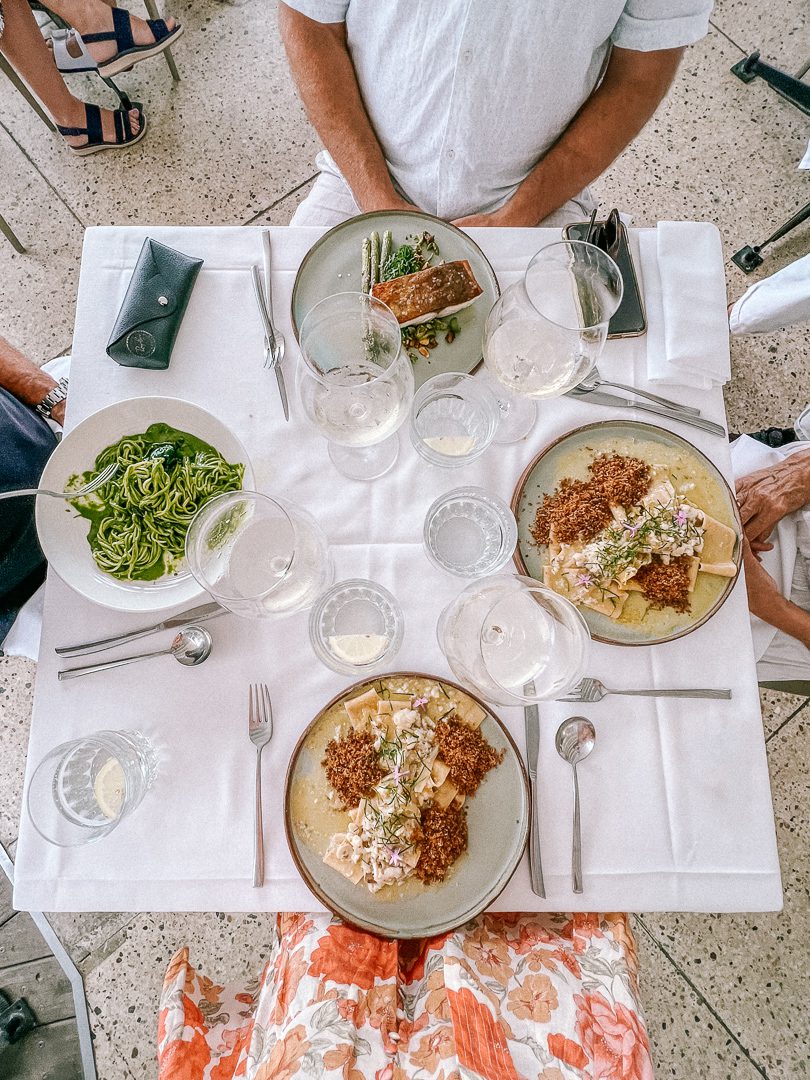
(358, 648)
(109, 787)
(451, 445)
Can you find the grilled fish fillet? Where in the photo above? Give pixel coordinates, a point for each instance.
(429, 294)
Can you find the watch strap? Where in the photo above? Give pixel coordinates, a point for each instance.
(52, 398)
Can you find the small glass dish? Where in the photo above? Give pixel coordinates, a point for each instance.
(469, 532)
(454, 418)
(356, 627)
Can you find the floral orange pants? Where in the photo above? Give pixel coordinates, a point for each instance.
(552, 997)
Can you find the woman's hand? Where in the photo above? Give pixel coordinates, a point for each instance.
(768, 495)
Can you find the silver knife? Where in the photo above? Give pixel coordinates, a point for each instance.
(277, 341)
(194, 615)
(531, 725)
(273, 343)
(616, 402)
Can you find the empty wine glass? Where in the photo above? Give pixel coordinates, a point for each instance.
(546, 332)
(453, 419)
(514, 641)
(256, 556)
(81, 790)
(355, 382)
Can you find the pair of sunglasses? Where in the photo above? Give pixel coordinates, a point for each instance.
(606, 235)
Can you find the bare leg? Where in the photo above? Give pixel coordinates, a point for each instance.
(24, 47)
(95, 16)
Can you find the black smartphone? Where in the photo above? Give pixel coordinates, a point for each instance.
(629, 320)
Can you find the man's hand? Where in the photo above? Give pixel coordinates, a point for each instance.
(768, 495)
(505, 217)
(765, 600)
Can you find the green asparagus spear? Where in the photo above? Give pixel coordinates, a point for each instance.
(387, 248)
(366, 275)
(375, 258)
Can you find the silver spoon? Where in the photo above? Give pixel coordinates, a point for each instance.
(574, 740)
(190, 647)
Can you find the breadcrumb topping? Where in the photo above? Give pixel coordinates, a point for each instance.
(467, 754)
(444, 838)
(666, 584)
(352, 767)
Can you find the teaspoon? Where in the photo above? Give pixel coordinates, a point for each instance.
(190, 647)
(574, 740)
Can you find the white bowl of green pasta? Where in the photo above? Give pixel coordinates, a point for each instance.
(122, 546)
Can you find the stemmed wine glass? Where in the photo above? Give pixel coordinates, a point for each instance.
(355, 381)
(546, 332)
(514, 641)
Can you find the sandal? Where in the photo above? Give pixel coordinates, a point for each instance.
(95, 135)
(129, 54)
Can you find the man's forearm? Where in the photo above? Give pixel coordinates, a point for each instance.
(22, 378)
(326, 80)
(633, 87)
(785, 616)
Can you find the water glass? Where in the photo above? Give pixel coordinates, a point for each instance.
(356, 627)
(81, 790)
(469, 532)
(453, 419)
(355, 381)
(546, 332)
(256, 556)
(513, 641)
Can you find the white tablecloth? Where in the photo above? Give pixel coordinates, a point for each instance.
(676, 803)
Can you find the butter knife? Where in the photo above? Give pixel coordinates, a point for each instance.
(531, 726)
(193, 615)
(276, 341)
(596, 397)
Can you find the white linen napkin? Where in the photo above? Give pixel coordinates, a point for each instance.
(779, 300)
(696, 346)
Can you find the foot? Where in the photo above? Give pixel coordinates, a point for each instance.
(774, 436)
(95, 17)
(76, 118)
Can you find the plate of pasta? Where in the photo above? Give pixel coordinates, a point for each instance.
(633, 525)
(406, 805)
(122, 546)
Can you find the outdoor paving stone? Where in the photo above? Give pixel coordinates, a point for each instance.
(686, 1038)
(225, 142)
(123, 991)
(38, 288)
(16, 698)
(85, 934)
(778, 707)
(281, 212)
(753, 967)
(781, 35)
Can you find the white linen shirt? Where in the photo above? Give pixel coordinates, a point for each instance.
(466, 96)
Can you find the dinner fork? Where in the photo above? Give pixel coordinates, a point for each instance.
(260, 729)
(94, 485)
(594, 690)
(594, 380)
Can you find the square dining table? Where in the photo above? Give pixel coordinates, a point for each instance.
(676, 802)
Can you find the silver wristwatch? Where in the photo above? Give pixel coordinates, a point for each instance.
(52, 399)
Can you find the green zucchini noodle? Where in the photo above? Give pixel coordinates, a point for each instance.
(140, 517)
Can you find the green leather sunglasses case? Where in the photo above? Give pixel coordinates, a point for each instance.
(153, 308)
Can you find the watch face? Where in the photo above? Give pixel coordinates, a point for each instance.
(140, 343)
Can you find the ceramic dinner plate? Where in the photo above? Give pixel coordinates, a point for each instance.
(568, 456)
(333, 265)
(497, 822)
(63, 533)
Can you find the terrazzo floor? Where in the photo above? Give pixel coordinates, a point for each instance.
(725, 996)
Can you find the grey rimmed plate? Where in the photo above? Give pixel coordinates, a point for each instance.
(569, 456)
(497, 825)
(333, 265)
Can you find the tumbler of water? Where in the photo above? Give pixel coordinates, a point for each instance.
(256, 556)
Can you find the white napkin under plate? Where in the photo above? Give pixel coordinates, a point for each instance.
(693, 297)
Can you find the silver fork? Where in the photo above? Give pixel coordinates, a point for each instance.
(594, 380)
(594, 690)
(102, 478)
(260, 729)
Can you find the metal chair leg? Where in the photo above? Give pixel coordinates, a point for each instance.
(8, 70)
(7, 231)
(152, 8)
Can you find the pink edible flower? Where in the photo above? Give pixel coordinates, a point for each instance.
(584, 579)
(394, 856)
(419, 703)
(681, 516)
(632, 529)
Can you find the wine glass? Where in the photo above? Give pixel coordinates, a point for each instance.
(256, 556)
(453, 419)
(355, 382)
(514, 641)
(546, 332)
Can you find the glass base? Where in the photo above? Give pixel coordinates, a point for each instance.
(518, 417)
(365, 462)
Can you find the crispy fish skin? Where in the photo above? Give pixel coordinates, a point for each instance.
(430, 293)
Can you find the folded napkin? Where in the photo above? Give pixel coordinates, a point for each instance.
(695, 347)
(779, 300)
